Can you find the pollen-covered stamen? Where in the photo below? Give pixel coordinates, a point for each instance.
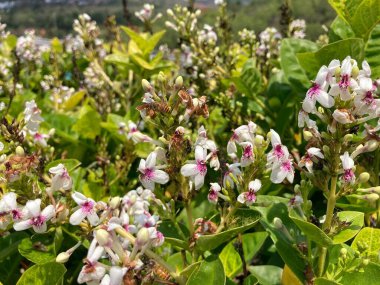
(344, 82)
(201, 167)
(87, 207)
(37, 221)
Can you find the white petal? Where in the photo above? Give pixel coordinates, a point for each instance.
(199, 180)
(231, 147)
(199, 153)
(147, 183)
(275, 138)
(277, 175)
(366, 83)
(321, 76)
(151, 160)
(93, 218)
(22, 225)
(10, 200)
(347, 161)
(34, 207)
(334, 90)
(48, 212)
(346, 66)
(41, 229)
(116, 274)
(59, 169)
(255, 185)
(314, 151)
(290, 176)
(77, 217)
(142, 165)
(160, 177)
(325, 99)
(79, 198)
(189, 170)
(308, 104)
(241, 198)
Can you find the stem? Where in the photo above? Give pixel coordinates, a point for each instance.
(189, 214)
(330, 204)
(225, 219)
(321, 260)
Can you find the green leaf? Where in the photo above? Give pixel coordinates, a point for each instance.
(250, 280)
(372, 51)
(118, 58)
(370, 238)
(69, 163)
(210, 272)
(88, 124)
(56, 45)
(266, 274)
(324, 281)
(176, 260)
(46, 274)
(9, 244)
(38, 249)
(230, 258)
(340, 30)
(312, 61)
(138, 39)
(74, 100)
(290, 64)
(371, 275)
(244, 219)
(362, 15)
(139, 60)
(356, 220)
(311, 231)
(271, 207)
(153, 41)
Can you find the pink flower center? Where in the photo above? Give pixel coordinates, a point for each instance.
(148, 174)
(16, 214)
(38, 137)
(278, 151)
(38, 221)
(286, 166)
(248, 152)
(368, 98)
(314, 91)
(87, 207)
(201, 167)
(344, 82)
(250, 196)
(213, 195)
(348, 175)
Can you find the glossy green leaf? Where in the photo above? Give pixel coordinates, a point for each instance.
(294, 72)
(209, 272)
(69, 163)
(38, 249)
(244, 219)
(230, 258)
(311, 231)
(118, 58)
(88, 124)
(266, 274)
(369, 238)
(362, 15)
(74, 100)
(356, 221)
(372, 52)
(45, 274)
(250, 280)
(312, 61)
(371, 275)
(324, 281)
(340, 30)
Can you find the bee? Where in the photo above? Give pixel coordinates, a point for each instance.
(153, 108)
(17, 164)
(162, 274)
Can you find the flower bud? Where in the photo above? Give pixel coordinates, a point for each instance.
(278, 223)
(170, 12)
(355, 71)
(307, 135)
(326, 150)
(342, 116)
(370, 190)
(365, 261)
(161, 77)
(259, 140)
(179, 82)
(63, 257)
(363, 177)
(373, 197)
(143, 237)
(348, 137)
(102, 236)
(20, 150)
(115, 202)
(146, 85)
(371, 145)
(337, 71)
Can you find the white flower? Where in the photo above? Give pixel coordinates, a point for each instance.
(346, 83)
(308, 159)
(8, 204)
(115, 276)
(233, 169)
(149, 174)
(40, 139)
(279, 151)
(86, 210)
(247, 156)
(282, 170)
(249, 197)
(135, 135)
(303, 118)
(93, 271)
(32, 115)
(61, 178)
(213, 193)
(196, 171)
(1, 146)
(318, 93)
(35, 217)
(365, 101)
(348, 165)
